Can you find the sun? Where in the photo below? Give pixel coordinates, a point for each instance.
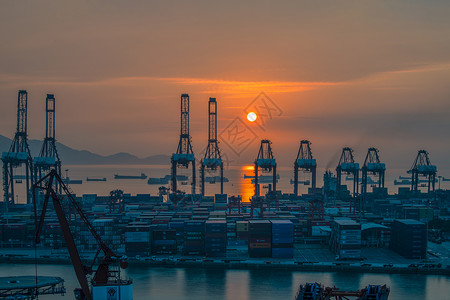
(251, 116)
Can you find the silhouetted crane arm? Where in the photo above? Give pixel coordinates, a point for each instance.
(80, 269)
(101, 275)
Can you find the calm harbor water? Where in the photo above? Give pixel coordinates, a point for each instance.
(237, 185)
(198, 284)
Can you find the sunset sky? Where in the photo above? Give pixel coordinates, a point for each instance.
(342, 73)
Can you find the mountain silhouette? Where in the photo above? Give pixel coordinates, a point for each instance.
(70, 156)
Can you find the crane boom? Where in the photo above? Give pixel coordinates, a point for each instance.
(81, 270)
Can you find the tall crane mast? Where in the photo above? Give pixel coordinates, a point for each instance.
(48, 157)
(105, 275)
(306, 162)
(266, 161)
(18, 154)
(212, 159)
(184, 155)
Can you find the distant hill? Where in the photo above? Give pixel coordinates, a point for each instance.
(70, 156)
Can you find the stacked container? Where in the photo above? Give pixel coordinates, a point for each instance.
(242, 231)
(178, 226)
(315, 228)
(409, 238)
(220, 202)
(346, 239)
(194, 238)
(13, 234)
(107, 229)
(53, 236)
(164, 241)
(259, 238)
(215, 238)
(137, 240)
(282, 239)
(231, 230)
(300, 230)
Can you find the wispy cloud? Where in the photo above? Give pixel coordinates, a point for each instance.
(206, 85)
(229, 87)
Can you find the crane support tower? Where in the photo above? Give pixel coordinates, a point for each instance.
(306, 162)
(106, 279)
(212, 159)
(347, 165)
(18, 154)
(48, 157)
(267, 163)
(372, 165)
(423, 166)
(184, 155)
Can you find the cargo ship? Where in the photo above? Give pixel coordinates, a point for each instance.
(142, 176)
(264, 179)
(67, 180)
(162, 180)
(95, 179)
(165, 179)
(261, 177)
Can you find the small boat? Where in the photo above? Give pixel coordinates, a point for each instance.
(96, 179)
(142, 176)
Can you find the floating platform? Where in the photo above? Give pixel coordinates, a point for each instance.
(316, 291)
(26, 287)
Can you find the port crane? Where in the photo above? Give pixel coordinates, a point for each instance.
(48, 157)
(306, 162)
(347, 165)
(106, 279)
(266, 161)
(212, 159)
(423, 166)
(184, 155)
(372, 165)
(18, 154)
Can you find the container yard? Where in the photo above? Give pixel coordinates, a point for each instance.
(325, 228)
